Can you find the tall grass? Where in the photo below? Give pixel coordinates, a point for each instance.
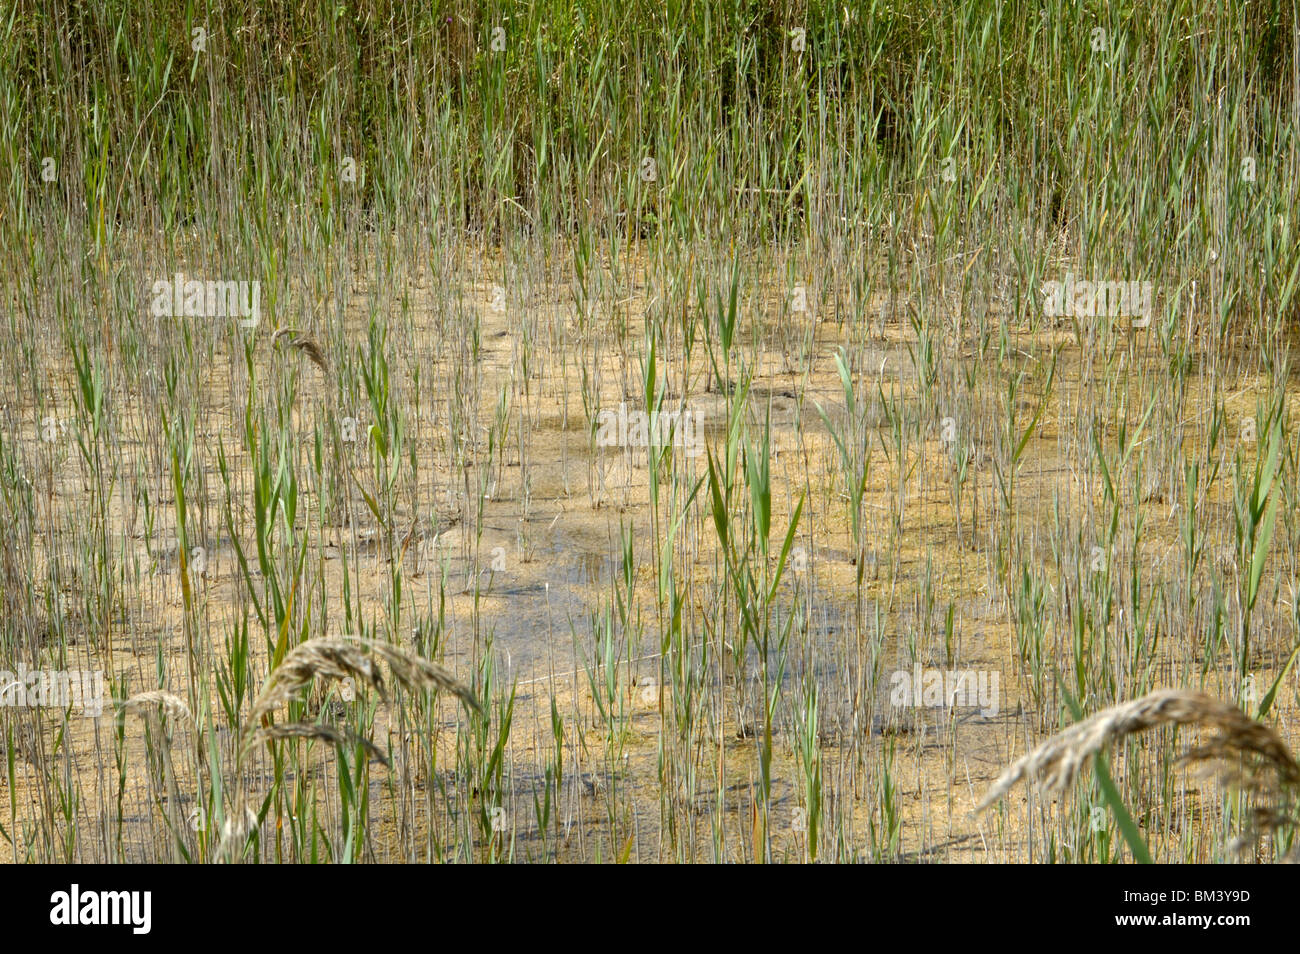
(823, 229)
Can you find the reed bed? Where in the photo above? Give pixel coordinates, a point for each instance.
(660, 433)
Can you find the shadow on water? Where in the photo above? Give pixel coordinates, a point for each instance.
(547, 604)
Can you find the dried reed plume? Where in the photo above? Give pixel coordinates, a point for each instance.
(1056, 762)
(417, 674)
(329, 658)
(304, 344)
(146, 704)
(324, 657)
(346, 657)
(325, 733)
